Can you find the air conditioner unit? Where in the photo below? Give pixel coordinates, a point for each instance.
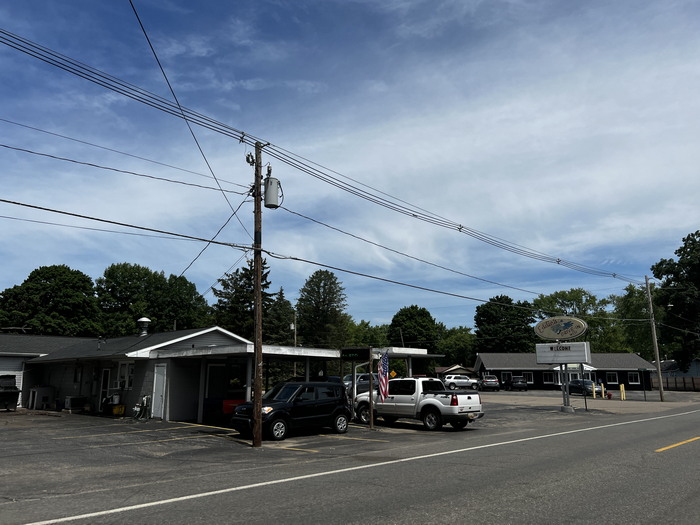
(75, 402)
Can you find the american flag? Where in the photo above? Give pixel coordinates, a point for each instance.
(383, 373)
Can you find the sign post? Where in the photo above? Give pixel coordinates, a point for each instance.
(558, 330)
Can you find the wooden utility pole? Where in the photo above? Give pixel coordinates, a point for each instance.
(257, 267)
(654, 341)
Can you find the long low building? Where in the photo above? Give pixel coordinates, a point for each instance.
(186, 375)
(613, 370)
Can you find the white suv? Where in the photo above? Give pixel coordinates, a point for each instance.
(460, 381)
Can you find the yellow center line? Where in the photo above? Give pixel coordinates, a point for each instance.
(677, 444)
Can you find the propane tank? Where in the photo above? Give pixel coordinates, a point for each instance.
(272, 188)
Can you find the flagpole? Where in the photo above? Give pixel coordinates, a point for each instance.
(371, 390)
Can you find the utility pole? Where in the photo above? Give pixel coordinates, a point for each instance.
(653, 338)
(257, 267)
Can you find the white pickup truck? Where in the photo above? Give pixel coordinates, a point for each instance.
(425, 399)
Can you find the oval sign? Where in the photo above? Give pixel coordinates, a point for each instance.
(561, 327)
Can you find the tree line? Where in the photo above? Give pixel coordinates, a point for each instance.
(58, 300)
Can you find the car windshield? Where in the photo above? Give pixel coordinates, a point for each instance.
(280, 392)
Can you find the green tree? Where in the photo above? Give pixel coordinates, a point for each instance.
(504, 326)
(235, 306)
(278, 321)
(458, 345)
(679, 294)
(414, 327)
(363, 334)
(53, 300)
(604, 333)
(631, 313)
(127, 292)
(321, 317)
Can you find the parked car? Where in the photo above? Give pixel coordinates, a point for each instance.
(584, 387)
(297, 404)
(423, 398)
(460, 381)
(361, 382)
(489, 383)
(515, 383)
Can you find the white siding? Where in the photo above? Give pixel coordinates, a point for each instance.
(13, 366)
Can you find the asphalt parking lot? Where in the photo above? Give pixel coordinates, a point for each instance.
(60, 464)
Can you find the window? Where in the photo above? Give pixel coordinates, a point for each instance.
(633, 378)
(328, 392)
(125, 377)
(529, 377)
(306, 394)
(547, 378)
(402, 388)
(611, 377)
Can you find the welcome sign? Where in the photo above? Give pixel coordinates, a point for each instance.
(560, 328)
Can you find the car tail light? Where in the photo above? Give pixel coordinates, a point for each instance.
(453, 401)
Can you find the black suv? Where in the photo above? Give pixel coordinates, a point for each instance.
(297, 404)
(515, 383)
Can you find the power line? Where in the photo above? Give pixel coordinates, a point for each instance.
(284, 257)
(405, 254)
(103, 230)
(126, 225)
(117, 151)
(127, 172)
(295, 161)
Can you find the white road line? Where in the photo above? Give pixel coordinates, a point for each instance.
(341, 471)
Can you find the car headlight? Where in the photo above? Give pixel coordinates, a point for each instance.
(266, 410)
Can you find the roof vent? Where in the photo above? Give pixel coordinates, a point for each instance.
(143, 325)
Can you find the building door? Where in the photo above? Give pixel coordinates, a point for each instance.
(104, 388)
(158, 391)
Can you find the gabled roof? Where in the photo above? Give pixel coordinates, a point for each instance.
(454, 369)
(35, 345)
(528, 361)
(141, 346)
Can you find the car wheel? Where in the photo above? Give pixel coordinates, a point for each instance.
(340, 424)
(432, 420)
(389, 420)
(452, 386)
(362, 414)
(278, 429)
(459, 425)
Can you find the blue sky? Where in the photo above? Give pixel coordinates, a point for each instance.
(569, 129)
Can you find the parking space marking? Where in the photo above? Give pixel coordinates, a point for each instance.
(355, 438)
(677, 444)
(81, 436)
(296, 449)
(380, 464)
(149, 442)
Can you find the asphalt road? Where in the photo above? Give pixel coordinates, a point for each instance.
(527, 461)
